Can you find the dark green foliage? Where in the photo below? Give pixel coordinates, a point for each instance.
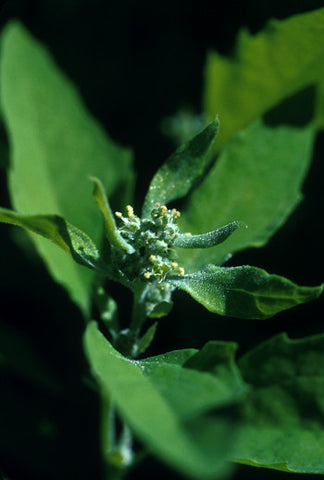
(197, 410)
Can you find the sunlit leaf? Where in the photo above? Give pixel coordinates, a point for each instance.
(177, 175)
(55, 229)
(55, 145)
(257, 180)
(266, 68)
(111, 230)
(206, 240)
(243, 292)
(158, 422)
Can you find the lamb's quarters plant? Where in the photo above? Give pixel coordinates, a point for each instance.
(197, 410)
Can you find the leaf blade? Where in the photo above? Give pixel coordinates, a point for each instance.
(177, 175)
(235, 85)
(257, 180)
(112, 233)
(151, 417)
(284, 412)
(64, 235)
(207, 240)
(244, 292)
(55, 146)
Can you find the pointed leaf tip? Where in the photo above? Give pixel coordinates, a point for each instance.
(181, 170)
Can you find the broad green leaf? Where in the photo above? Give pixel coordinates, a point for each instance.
(284, 414)
(61, 233)
(112, 233)
(243, 292)
(155, 421)
(208, 379)
(218, 358)
(256, 180)
(177, 175)
(284, 58)
(206, 240)
(55, 146)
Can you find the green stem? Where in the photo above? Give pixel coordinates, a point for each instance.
(108, 425)
(127, 340)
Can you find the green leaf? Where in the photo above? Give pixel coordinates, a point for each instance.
(158, 423)
(112, 233)
(206, 240)
(186, 165)
(283, 424)
(55, 146)
(256, 180)
(243, 292)
(61, 233)
(284, 58)
(208, 379)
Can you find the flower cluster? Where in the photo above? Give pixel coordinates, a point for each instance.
(152, 240)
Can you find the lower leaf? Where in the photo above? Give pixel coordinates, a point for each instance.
(195, 444)
(283, 425)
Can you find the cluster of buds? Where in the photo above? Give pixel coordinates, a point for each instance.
(152, 240)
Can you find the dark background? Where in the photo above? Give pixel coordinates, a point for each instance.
(134, 63)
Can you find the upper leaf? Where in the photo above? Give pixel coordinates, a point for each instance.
(268, 67)
(244, 292)
(55, 146)
(256, 180)
(196, 448)
(283, 425)
(186, 165)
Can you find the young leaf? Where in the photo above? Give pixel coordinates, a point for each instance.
(156, 422)
(283, 425)
(111, 230)
(177, 175)
(243, 88)
(61, 233)
(257, 179)
(243, 292)
(206, 240)
(55, 146)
